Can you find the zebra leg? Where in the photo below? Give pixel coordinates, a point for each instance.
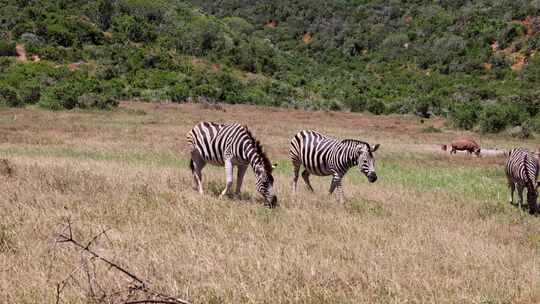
(333, 185)
(196, 164)
(229, 176)
(532, 196)
(336, 184)
(240, 178)
(305, 176)
(520, 195)
(295, 178)
(512, 187)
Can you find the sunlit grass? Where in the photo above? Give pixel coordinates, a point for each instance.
(433, 228)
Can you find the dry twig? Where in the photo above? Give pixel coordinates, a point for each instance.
(140, 285)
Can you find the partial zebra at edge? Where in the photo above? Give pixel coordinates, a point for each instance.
(522, 168)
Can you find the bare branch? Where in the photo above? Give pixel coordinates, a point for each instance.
(140, 284)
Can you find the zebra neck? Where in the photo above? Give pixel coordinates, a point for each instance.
(255, 160)
(350, 157)
(251, 156)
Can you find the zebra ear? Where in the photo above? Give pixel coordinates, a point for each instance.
(274, 165)
(374, 148)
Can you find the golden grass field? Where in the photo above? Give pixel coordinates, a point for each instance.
(432, 229)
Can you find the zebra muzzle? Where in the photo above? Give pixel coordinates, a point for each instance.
(372, 177)
(272, 202)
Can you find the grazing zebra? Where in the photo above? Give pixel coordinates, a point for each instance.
(322, 155)
(522, 171)
(230, 145)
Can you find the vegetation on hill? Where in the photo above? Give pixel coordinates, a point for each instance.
(473, 61)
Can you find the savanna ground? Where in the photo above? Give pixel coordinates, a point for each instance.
(433, 228)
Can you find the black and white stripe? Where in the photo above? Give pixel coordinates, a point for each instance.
(230, 145)
(522, 172)
(322, 155)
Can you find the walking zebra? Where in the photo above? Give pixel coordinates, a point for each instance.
(522, 171)
(230, 145)
(322, 155)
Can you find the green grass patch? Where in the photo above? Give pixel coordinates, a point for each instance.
(474, 183)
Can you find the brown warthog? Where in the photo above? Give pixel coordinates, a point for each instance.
(465, 144)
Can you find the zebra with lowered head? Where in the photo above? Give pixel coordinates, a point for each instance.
(522, 172)
(322, 155)
(230, 145)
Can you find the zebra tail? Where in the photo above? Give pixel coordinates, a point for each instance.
(191, 166)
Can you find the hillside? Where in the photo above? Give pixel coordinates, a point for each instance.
(471, 61)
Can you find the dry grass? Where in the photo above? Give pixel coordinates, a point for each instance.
(433, 229)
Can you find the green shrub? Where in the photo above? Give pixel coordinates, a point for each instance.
(135, 29)
(402, 106)
(179, 92)
(207, 90)
(5, 63)
(7, 48)
(423, 106)
(9, 96)
(95, 101)
(332, 105)
(29, 91)
(255, 95)
(465, 116)
(493, 119)
(154, 95)
(65, 93)
(522, 132)
(356, 103)
(376, 106)
(534, 123)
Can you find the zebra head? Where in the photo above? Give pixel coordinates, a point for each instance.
(265, 183)
(366, 162)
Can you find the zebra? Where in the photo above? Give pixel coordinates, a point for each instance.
(322, 155)
(522, 171)
(230, 145)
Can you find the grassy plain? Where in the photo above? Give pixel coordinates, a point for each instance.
(433, 229)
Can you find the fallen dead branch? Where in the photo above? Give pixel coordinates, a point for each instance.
(139, 288)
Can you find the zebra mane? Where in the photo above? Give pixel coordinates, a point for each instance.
(259, 150)
(356, 141)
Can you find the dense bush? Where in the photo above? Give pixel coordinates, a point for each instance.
(69, 92)
(179, 92)
(376, 106)
(534, 123)
(9, 97)
(465, 116)
(93, 100)
(7, 48)
(495, 118)
(29, 91)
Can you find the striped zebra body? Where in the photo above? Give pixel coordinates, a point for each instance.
(323, 156)
(522, 172)
(230, 145)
